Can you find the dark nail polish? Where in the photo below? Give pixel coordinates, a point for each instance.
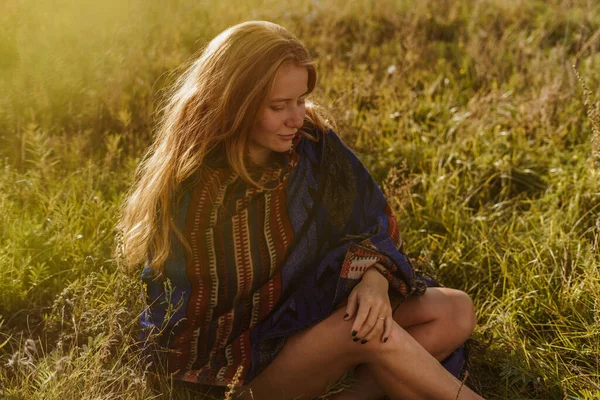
(346, 316)
(356, 339)
(363, 341)
(384, 340)
(354, 333)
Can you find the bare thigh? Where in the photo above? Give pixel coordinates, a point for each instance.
(309, 362)
(440, 320)
(436, 303)
(315, 358)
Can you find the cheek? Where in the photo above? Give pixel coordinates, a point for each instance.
(268, 124)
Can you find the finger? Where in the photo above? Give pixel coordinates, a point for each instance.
(351, 306)
(368, 325)
(375, 323)
(388, 323)
(361, 317)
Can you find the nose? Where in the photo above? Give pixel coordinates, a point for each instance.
(296, 118)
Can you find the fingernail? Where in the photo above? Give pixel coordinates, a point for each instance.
(356, 339)
(354, 333)
(346, 316)
(363, 341)
(384, 340)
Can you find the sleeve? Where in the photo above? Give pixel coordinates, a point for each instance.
(357, 207)
(351, 229)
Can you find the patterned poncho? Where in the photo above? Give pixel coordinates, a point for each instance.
(265, 264)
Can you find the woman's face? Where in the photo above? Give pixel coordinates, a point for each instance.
(281, 114)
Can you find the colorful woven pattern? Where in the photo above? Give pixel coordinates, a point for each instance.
(265, 264)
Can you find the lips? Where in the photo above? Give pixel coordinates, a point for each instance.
(287, 136)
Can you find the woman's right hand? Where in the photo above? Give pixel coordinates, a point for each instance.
(369, 305)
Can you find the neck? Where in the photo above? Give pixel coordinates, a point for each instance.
(260, 157)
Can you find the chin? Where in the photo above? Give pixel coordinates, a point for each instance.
(282, 149)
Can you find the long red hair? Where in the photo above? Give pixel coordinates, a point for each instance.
(213, 103)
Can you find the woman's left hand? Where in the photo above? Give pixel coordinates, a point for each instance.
(370, 303)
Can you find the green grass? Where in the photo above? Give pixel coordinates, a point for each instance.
(470, 114)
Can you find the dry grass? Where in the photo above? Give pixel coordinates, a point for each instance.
(469, 113)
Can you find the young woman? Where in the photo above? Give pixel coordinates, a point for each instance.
(270, 251)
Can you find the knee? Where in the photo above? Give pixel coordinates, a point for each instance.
(399, 341)
(464, 314)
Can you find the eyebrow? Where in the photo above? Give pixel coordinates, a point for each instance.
(280, 99)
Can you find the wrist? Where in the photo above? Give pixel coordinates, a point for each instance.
(373, 274)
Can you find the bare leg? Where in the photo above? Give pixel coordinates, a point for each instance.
(441, 320)
(317, 357)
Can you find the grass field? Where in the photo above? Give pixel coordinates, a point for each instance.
(468, 112)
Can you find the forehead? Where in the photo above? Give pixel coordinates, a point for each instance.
(290, 81)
